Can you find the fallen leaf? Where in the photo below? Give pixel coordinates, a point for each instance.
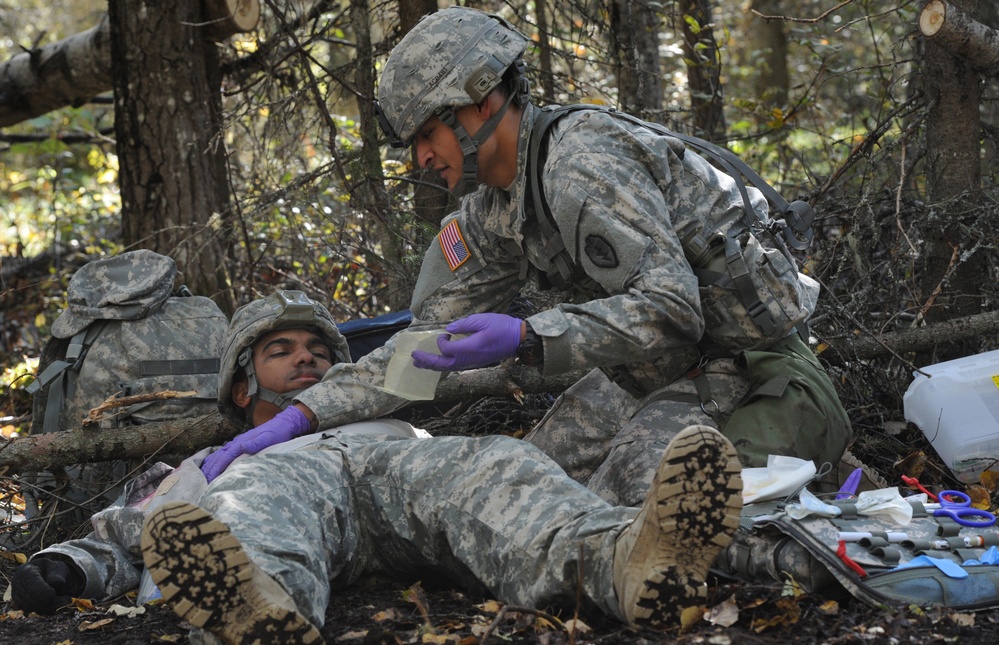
(990, 480)
(17, 558)
(719, 639)
(690, 615)
(912, 465)
(169, 638)
(389, 614)
(791, 589)
(122, 610)
(725, 614)
(575, 626)
(87, 625)
(980, 497)
(353, 636)
(440, 639)
(490, 606)
(83, 604)
(829, 608)
(963, 620)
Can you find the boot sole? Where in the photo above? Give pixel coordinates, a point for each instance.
(695, 498)
(209, 581)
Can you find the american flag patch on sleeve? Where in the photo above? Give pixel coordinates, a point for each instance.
(453, 244)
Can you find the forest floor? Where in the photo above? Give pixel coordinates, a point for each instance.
(388, 613)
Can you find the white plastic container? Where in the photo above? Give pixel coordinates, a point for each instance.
(957, 408)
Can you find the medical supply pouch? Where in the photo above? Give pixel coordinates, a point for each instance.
(124, 333)
(789, 390)
(927, 561)
(751, 295)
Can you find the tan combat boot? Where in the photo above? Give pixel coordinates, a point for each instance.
(209, 581)
(692, 509)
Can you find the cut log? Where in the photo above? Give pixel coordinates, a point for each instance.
(79, 446)
(75, 70)
(187, 436)
(913, 340)
(960, 34)
(69, 72)
(228, 17)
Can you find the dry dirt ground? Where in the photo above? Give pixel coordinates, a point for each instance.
(394, 612)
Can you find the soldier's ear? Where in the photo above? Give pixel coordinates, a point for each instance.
(239, 396)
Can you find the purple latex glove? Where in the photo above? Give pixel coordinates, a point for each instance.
(491, 338)
(287, 424)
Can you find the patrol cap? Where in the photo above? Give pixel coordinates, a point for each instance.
(124, 287)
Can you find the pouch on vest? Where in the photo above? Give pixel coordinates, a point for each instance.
(751, 296)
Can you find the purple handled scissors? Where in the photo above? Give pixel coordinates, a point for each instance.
(957, 506)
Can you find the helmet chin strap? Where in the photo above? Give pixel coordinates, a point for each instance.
(256, 393)
(470, 145)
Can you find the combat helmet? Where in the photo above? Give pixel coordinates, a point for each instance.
(451, 58)
(280, 310)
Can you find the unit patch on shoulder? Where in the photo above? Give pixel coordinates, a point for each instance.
(453, 244)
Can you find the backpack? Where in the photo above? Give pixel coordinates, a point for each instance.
(752, 294)
(123, 333)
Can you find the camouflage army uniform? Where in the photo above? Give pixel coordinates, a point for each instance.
(636, 312)
(501, 519)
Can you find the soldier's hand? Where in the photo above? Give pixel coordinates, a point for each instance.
(491, 338)
(43, 585)
(286, 425)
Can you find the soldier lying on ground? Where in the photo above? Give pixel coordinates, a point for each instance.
(268, 541)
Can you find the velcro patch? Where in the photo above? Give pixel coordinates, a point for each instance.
(601, 252)
(453, 244)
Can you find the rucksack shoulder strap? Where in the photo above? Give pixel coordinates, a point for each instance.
(554, 246)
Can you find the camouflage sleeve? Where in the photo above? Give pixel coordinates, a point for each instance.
(460, 275)
(109, 568)
(615, 194)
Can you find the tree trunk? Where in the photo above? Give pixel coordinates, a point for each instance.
(635, 47)
(703, 69)
(765, 52)
(174, 187)
(953, 150)
(546, 71)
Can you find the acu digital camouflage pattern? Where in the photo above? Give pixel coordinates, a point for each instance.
(639, 317)
(451, 58)
(136, 339)
(500, 518)
(129, 297)
(772, 544)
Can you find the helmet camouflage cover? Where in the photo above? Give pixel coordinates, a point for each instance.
(280, 310)
(451, 58)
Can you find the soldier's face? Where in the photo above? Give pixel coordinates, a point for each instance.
(437, 145)
(284, 361)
